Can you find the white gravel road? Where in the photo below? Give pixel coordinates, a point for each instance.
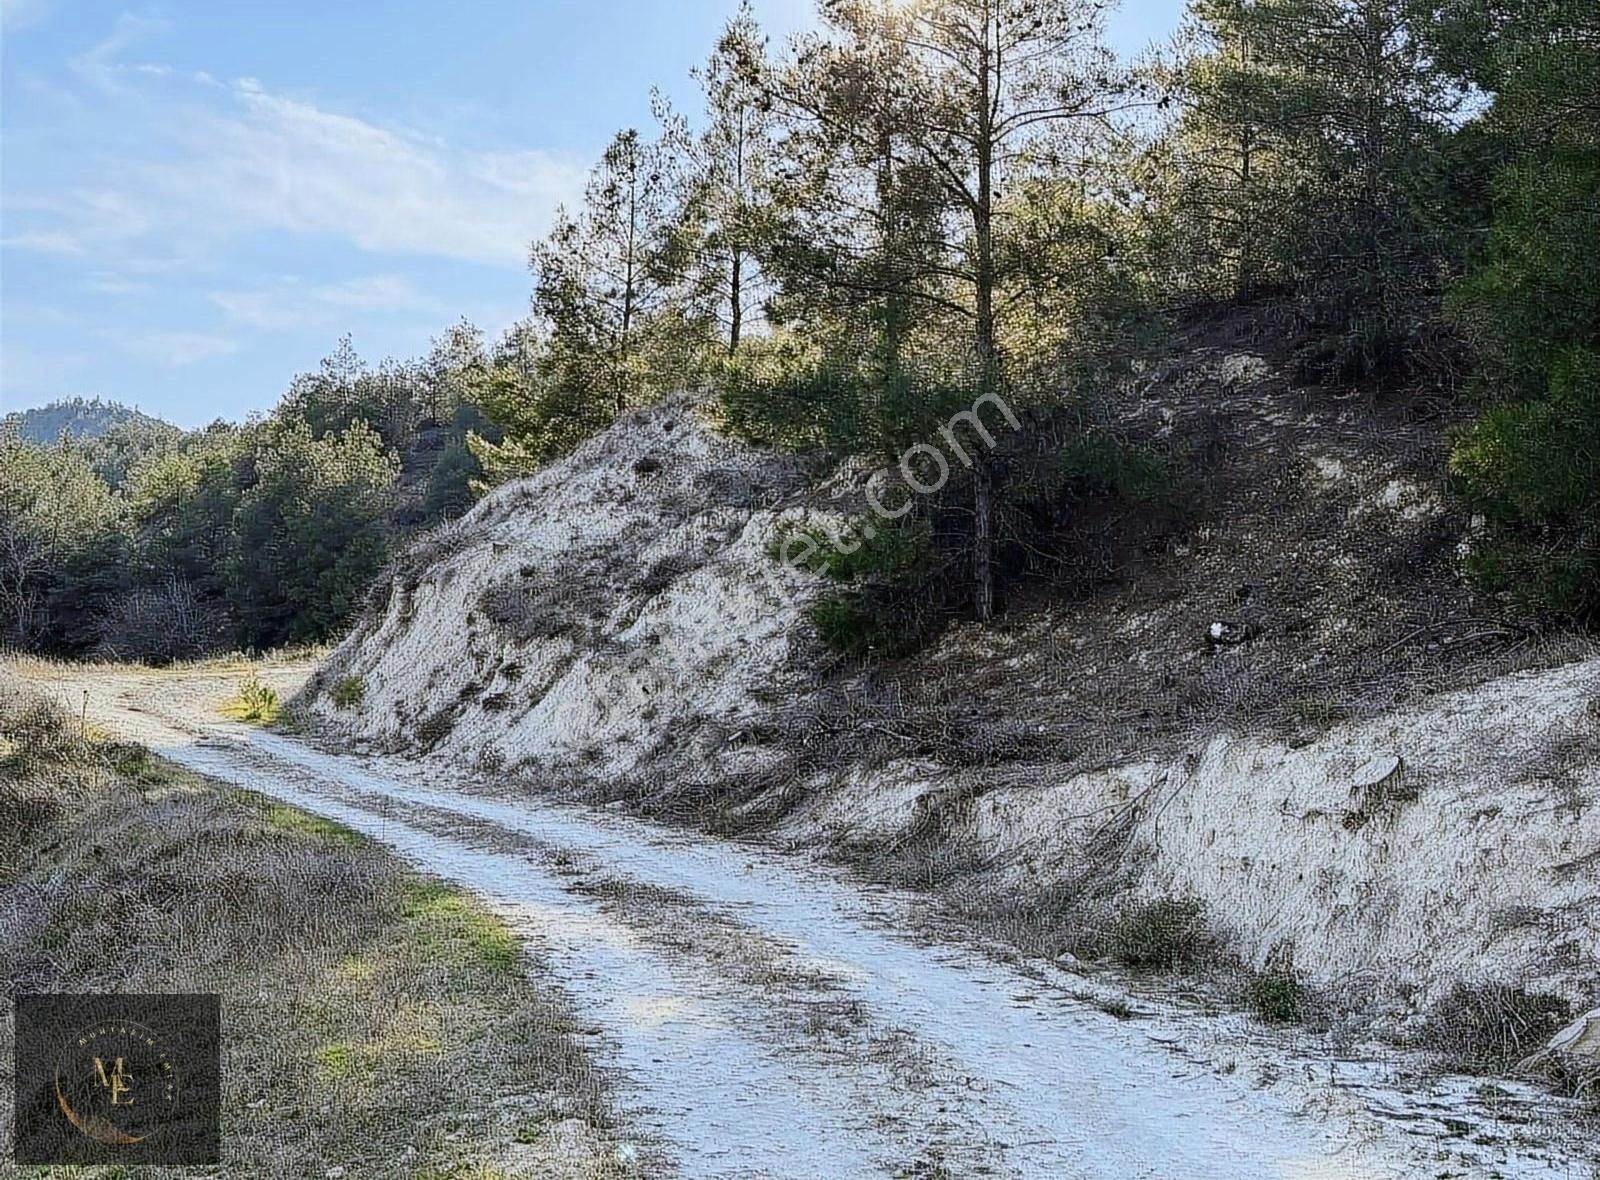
(767, 1017)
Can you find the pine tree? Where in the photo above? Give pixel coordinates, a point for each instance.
(1224, 173)
(724, 218)
(962, 95)
(605, 277)
(1530, 303)
(1307, 136)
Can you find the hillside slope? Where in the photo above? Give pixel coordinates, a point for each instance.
(585, 619)
(79, 418)
(1372, 783)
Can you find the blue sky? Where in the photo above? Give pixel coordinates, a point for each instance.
(198, 199)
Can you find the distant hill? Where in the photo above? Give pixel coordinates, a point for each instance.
(110, 436)
(80, 418)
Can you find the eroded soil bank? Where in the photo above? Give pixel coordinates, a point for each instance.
(616, 629)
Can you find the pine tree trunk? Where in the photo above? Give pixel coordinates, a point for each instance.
(1247, 252)
(986, 345)
(983, 541)
(736, 302)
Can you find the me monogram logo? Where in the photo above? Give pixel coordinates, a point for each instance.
(119, 1083)
(115, 1083)
(130, 1079)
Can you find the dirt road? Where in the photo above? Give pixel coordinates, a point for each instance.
(769, 1018)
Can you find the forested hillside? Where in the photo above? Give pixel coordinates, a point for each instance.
(78, 418)
(147, 542)
(915, 212)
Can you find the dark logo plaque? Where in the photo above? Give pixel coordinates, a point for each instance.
(118, 1079)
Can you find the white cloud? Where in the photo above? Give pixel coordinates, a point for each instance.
(176, 349)
(287, 164)
(109, 282)
(181, 164)
(170, 202)
(48, 242)
(79, 221)
(289, 304)
(387, 292)
(98, 64)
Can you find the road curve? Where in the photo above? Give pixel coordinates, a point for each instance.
(767, 1018)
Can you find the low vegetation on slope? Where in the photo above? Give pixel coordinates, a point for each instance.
(376, 1023)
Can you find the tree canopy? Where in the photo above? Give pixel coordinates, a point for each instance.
(912, 211)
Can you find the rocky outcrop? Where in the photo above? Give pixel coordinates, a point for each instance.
(1455, 840)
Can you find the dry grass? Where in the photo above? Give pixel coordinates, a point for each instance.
(1489, 1028)
(238, 663)
(375, 1020)
(1498, 1028)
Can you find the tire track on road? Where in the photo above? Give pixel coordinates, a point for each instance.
(1023, 1078)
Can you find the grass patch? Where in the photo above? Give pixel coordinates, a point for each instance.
(281, 818)
(1275, 996)
(347, 692)
(40, 734)
(452, 928)
(364, 1062)
(471, 1171)
(255, 701)
(372, 1015)
(1167, 934)
(136, 764)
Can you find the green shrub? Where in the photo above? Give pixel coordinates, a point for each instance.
(776, 394)
(866, 550)
(348, 692)
(1533, 469)
(884, 564)
(1276, 996)
(1165, 934)
(1104, 464)
(846, 624)
(137, 764)
(254, 701)
(1531, 310)
(449, 492)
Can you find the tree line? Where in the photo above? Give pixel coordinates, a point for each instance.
(923, 203)
(143, 541)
